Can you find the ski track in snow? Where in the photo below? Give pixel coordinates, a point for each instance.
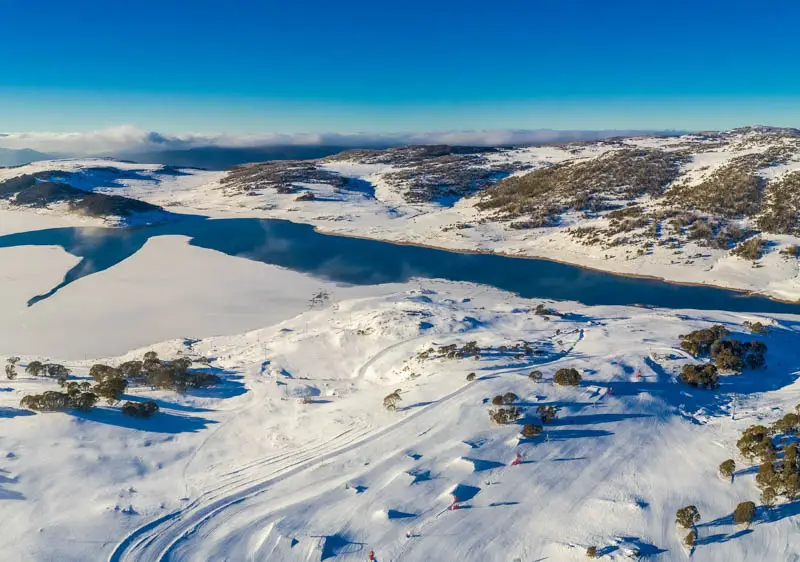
(159, 539)
(147, 543)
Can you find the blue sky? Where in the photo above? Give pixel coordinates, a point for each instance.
(287, 66)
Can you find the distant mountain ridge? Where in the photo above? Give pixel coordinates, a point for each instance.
(20, 157)
(220, 152)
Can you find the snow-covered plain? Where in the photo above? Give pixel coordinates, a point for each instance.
(293, 457)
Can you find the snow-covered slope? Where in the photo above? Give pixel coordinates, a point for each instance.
(712, 208)
(293, 456)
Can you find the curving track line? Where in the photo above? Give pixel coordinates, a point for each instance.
(155, 540)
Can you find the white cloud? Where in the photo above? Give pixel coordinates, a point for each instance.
(130, 139)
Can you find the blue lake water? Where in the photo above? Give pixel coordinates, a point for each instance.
(364, 262)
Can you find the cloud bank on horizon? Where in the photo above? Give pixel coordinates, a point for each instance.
(127, 139)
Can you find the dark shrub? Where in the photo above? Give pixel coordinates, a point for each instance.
(699, 342)
(687, 517)
(733, 355)
(788, 424)
(173, 375)
(35, 368)
(11, 367)
(132, 370)
(756, 441)
(755, 327)
(727, 468)
(591, 552)
(542, 310)
(498, 400)
(530, 430)
(690, 539)
(547, 413)
(535, 376)
(52, 370)
(509, 398)
(504, 416)
(700, 376)
(751, 249)
(54, 401)
(99, 372)
(470, 377)
(768, 496)
(140, 409)
(567, 377)
(111, 388)
(744, 513)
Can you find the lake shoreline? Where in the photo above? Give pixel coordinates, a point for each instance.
(478, 252)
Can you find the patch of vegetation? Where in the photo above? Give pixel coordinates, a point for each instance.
(752, 249)
(777, 449)
(541, 196)
(11, 367)
(567, 377)
(780, 477)
(781, 207)
(700, 376)
(111, 388)
(144, 409)
(530, 430)
(690, 539)
(509, 398)
(547, 413)
(50, 370)
(452, 351)
(390, 401)
(429, 173)
(99, 372)
(280, 175)
(756, 442)
(744, 513)
(542, 310)
(733, 355)
(687, 517)
(505, 416)
(37, 191)
(77, 396)
(699, 342)
(727, 468)
(728, 354)
(734, 190)
(755, 327)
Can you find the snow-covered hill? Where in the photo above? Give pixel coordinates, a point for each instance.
(711, 208)
(294, 457)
